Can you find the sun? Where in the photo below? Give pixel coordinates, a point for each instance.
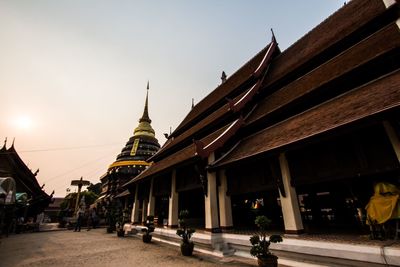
(23, 122)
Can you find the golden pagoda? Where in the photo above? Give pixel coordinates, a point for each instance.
(132, 159)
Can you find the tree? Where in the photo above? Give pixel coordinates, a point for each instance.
(95, 188)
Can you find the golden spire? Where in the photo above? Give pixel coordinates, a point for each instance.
(145, 116)
(144, 127)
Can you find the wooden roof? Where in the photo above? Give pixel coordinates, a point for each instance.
(12, 165)
(373, 98)
(328, 35)
(383, 41)
(320, 66)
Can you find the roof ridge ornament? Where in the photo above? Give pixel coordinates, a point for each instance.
(267, 57)
(223, 77)
(273, 35)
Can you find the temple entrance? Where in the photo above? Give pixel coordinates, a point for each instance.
(253, 189)
(246, 207)
(193, 201)
(139, 211)
(161, 210)
(335, 179)
(339, 205)
(330, 206)
(161, 193)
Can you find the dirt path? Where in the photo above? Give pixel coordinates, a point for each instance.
(96, 248)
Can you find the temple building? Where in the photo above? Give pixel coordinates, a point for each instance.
(31, 199)
(300, 135)
(132, 159)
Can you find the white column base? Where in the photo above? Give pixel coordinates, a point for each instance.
(290, 205)
(173, 203)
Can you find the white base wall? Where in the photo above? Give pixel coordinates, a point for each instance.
(291, 252)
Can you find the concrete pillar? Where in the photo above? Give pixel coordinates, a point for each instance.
(393, 137)
(211, 202)
(225, 206)
(152, 200)
(135, 208)
(173, 203)
(144, 210)
(290, 204)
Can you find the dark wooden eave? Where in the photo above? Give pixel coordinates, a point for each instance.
(373, 98)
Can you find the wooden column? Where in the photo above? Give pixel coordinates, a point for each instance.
(144, 210)
(152, 200)
(393, 137)
(173, 203)
(225, 206)
(211, 204)
(290, 204)
(135, 208)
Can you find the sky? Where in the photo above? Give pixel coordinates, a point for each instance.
(73, 73)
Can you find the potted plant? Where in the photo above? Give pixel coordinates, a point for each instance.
(146, 237)
(62, 222)
(110, 215)
(110, 223)
(120, 229)
(186, 233)
(260, 244)
(119, 225)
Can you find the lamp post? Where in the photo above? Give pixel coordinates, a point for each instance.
(79, 183)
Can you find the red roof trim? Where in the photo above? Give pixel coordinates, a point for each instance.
(205, 150)
(246, 97)
(266, 60)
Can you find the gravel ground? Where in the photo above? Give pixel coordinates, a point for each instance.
(96, 248)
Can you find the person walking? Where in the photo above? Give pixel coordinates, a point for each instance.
(79, 215)
(94, 217)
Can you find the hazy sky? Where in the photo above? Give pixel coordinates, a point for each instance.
(73, 73)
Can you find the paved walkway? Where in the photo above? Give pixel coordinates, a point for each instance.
(96, 248)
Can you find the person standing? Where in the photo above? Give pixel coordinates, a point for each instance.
(94, 218)
(79, 215)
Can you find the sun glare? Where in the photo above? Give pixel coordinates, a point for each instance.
(23, 122)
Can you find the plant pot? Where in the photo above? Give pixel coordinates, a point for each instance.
(146, 238)
(270, 261)
(120, 233)
(187, 248)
